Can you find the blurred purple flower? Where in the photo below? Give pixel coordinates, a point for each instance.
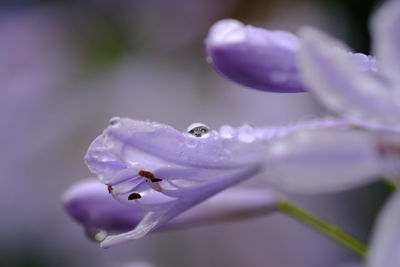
(366, 98)
(261, 59)
(89, 203)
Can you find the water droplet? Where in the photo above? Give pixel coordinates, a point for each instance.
(209, 60)
(199, 130)
(227, 131)
(247, 133)
(114, 121)
(96, 235)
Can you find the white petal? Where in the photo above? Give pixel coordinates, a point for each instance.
(324, 160)
(342, 85)
(385, 246)
(386, 35)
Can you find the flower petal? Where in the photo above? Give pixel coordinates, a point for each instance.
(384, 249)
(254, 57)
(385, 30)
(325, 160)
(89, 203)
(158, 217)
(344, 86)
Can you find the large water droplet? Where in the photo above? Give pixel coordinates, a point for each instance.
(198, 130)
(114, 121)
(96, 235)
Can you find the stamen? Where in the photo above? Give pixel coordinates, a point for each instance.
(134, 196)
(109, 188)
(149, 175)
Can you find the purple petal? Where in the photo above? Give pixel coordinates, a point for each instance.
(385, 244)
(254, 57)
(343, 85)
(153, 160)
(157, 217)
(386, 36)
(89, 203)
(327, 160)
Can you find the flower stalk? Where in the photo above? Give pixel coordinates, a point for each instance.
(328, 229)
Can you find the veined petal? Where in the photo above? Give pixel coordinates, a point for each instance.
(254, 57)
(328, 160)
(344, 86)
(386, 35)
(165, 171)
(384, 249)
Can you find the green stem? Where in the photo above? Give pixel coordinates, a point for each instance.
(324, 227)
(390, 184)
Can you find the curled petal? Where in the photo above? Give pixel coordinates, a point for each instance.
(326, 160)
(165, 171)
(386, 35)
(384, 249)
(343, 85)
(157, 217)
(254, 57)
(89, 203)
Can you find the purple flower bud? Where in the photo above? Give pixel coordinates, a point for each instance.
(255, 57)
(264, 60)
(89, 203)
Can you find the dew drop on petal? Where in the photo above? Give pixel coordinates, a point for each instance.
(114, 121)
(198, 130)
(96, 235)
(227, 131)
(246, 133)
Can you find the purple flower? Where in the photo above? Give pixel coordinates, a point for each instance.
(89, 203)
(261, 59)
(165, 172)
(371, 99)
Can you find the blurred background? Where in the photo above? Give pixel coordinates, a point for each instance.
(66, 67)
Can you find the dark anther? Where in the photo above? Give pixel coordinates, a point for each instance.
(150, 176)
(134, 196)
(147, 174)
(109, 188)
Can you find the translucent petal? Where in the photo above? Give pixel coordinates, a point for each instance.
(342, 85)
(386, 37)
(385, 244)
(324, 160)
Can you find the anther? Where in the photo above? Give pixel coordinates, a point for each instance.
(150, 176)
(109, 188)
(147, 174)
(134, 196)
